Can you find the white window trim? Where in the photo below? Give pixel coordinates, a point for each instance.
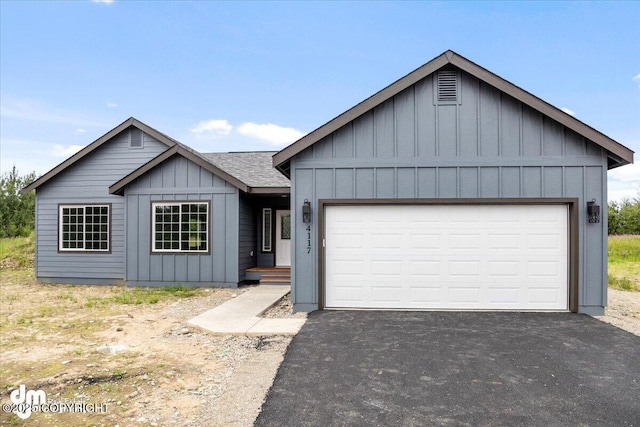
(265, 247)
(84, 234)
(179, 203)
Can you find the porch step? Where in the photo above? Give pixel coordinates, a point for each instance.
(270, 275)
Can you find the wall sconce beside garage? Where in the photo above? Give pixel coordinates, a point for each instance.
(306, 211)
(593, 211)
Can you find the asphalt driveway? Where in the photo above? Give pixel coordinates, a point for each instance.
(451, 368)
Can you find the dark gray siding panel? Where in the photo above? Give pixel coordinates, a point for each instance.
(178, 179)
(87, 182)
(488, 146)
(247, 241)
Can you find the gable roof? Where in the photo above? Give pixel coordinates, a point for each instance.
(251, 172)
(168, 141)
(618, 154)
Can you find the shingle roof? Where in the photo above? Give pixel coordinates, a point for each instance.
(254, 168)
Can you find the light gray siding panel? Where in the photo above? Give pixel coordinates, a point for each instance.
(303, 262)
(531, 132)
(510, 182)
(447, 131)
(468, 113)
(405, 123)
(488, 146)
(181, 180)
(427, 182)
(364, 183)
(406, 184)
(531, 182)
(553, 182)
(385, 183)
(323, 149)
(344, 184)
(574, 144)
(325, 176)
(468, 182)
(384, 130)
(363, 135)
(447, 182)
(595, 273)
(87, 182)
(489, 127)
(426, 119)
(490, 182)
(343, 142)
(552, 138)
(509, 126)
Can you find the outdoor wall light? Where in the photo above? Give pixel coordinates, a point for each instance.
(593, 211)
(306, 211)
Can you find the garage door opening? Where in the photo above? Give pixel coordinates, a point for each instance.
(446, 256)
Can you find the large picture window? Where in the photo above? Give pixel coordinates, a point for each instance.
(180, 227)
(84, 228)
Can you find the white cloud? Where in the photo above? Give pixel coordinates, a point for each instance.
(65, 151)
(568, 111)
(212, 128)
(80, 130)
(273, 134)
(636, 79)
(102, 1)
(624, 182)
(112, 104)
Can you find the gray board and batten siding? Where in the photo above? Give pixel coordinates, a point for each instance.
(86, 182)
(180, 179)
(486, 144)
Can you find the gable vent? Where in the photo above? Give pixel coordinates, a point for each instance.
(447, 86)
(135, 138)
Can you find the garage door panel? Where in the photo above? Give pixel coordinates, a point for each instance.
(446, 257)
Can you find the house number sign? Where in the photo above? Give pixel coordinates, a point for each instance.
(308, 238)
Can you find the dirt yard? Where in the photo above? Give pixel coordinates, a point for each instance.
(62, 339)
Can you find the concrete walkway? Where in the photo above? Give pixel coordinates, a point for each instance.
(240, 316)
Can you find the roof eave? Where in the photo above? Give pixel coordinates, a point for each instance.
(118, 187)
(131, 121)
(281, 158)
(269, 190)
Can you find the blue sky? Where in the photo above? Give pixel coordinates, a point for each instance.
(236, 76)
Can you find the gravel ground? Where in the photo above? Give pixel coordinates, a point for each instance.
(170, 373)
(623, 310)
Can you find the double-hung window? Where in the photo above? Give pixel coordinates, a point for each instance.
(84, 228)
(180, 227)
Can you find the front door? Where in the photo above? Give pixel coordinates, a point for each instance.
(283, 238)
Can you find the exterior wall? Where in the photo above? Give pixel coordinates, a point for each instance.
(247, 255)
(87, 182)
(180, 179)
(487, 146)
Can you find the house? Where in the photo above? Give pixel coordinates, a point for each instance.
(137, 207)
(449, 189)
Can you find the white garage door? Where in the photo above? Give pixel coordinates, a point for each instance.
(467, 257)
